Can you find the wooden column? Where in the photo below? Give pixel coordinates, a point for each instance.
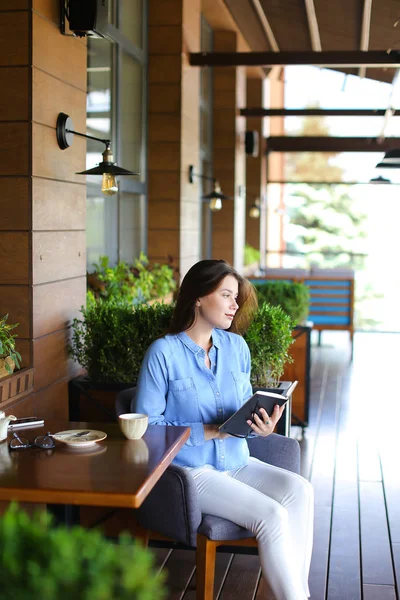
(229, 154)
(43, 202)
(174, 204)
(255, 165)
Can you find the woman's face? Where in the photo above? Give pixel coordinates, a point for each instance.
(218, 308)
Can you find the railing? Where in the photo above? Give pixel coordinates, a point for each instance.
(293, 259)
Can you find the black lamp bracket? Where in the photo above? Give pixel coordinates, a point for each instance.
(192, 174)
(65, 133)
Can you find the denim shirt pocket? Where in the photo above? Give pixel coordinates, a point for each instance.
(182, 402)
(241, 382)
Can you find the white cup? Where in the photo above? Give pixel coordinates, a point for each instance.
(133, 425)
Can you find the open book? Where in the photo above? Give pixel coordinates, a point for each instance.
(237, 424)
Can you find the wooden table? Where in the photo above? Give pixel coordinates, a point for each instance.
(116, 472)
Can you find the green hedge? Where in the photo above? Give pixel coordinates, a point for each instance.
(293, 297)
(111, 338)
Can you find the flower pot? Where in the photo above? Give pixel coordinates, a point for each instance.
(3, 371)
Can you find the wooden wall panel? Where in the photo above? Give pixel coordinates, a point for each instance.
(14, 38)
(164, 39)
(164, 98)
(56, 304)
(164, 128)
(50, 96)
(15, 301)
(164, 69)
(165, 156)
(58, 255)
(51, 358)
(58, 205)
(50, 161)
(163, 214)
(14, 149)
(168, 12)
(14, 203)
(50, 402)
(67, 59)
(163, 242)
(14, 97)
(50, 9)
(14, 257)
(165, 186)
(24, 347)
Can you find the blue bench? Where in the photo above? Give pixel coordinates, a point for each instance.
(331, 296)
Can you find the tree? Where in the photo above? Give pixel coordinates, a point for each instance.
(324, 219)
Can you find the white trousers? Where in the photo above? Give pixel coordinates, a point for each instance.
(277, 506)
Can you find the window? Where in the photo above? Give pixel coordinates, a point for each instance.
(116, 110)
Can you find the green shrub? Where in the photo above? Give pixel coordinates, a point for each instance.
(139, 282)
(251, 255)
(41, 561)
(111, 338)
(293, 297)
(269, 338)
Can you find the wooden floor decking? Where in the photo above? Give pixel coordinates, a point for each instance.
(351, 453)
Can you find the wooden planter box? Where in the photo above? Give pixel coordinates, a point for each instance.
(16, 386)
(300, 370)
(92, 401)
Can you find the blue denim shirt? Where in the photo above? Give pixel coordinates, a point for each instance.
(176, 388)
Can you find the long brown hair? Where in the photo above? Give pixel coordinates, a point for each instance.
(202, 279)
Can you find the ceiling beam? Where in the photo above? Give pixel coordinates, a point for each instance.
(265, 25)
(313, 26)
(331, 58)
(329, 144)
(313, 112)
(365, 30)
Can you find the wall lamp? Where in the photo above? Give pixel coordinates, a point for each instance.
(391, 160)
(107, 168)
(216, 196)
(254, 210)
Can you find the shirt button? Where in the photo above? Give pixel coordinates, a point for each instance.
(222, 457)
(220, 441)
(220, 410)
(217, 394)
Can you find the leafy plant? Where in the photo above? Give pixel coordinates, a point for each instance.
(139, 282)
(269, 338)
(7, 345)
(41, 561)
(293, 297)
(111, 338)
(251, 255)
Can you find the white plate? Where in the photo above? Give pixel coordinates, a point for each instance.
(71, 438)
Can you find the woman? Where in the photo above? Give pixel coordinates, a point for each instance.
(198, 375)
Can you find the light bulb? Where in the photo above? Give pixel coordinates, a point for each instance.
(109, 185)
(215, 204)
(254, 211)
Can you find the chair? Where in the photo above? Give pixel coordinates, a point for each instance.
(172, 507)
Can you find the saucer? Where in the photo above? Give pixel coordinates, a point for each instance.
(74, 437)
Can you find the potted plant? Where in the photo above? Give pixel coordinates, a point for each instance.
(292, 296)
(269, 338)
(139, 282)
(9, 357)
(47, 562)
(109, 342)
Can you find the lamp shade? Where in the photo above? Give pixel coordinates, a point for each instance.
(379, 179)
(391, 160)
(105, 167)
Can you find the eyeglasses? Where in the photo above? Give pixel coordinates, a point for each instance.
(18, 442)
